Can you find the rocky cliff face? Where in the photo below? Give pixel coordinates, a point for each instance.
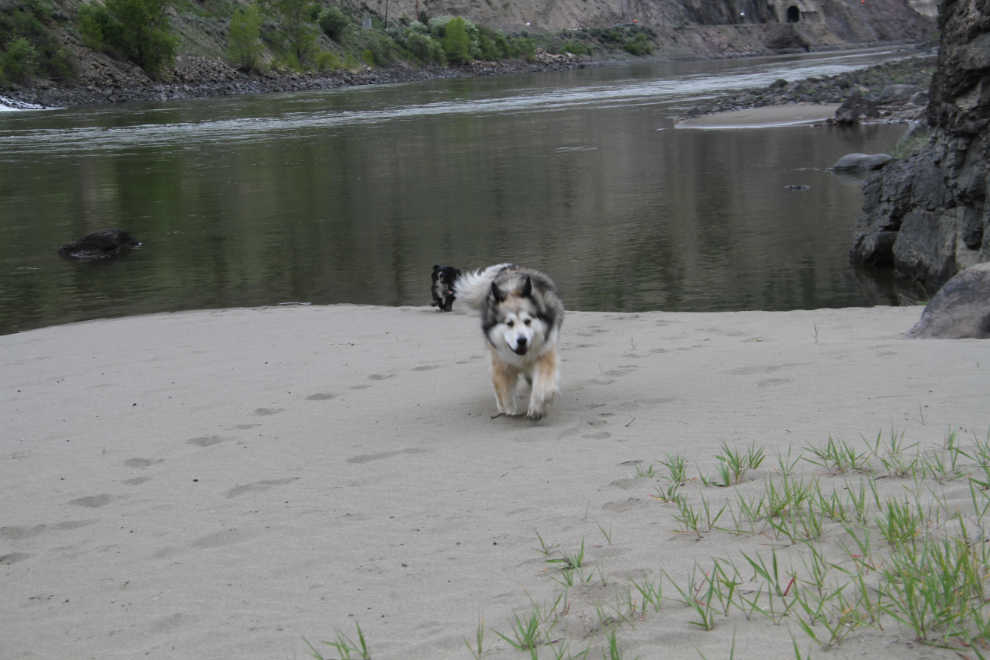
(929, 216)
(851, 20)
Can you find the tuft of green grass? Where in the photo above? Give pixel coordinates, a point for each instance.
(345, 647)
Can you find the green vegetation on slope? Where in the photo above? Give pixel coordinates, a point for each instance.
(258, 35)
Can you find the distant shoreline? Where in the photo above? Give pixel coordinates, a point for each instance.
(197, 77)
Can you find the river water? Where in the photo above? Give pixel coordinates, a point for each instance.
(351, 195)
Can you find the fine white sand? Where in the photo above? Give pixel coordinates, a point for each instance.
(225, 484)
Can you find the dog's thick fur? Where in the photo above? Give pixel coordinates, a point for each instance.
(521, 315)
(444, 278)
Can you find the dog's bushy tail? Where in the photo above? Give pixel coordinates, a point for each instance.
(472, 288)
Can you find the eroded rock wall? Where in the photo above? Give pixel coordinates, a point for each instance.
(928, 216)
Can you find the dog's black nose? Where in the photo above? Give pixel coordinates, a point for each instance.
(521, 342)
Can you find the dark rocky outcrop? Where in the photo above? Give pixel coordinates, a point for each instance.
(928, 216)
(99, 245)
(855, 109)
(960, 309)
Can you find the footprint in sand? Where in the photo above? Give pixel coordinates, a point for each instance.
(222, 538)
(320, 396)
(623, 370)
(771, 382)
(259, 486)
(427, 367)
(21, 533)
(367, 458)
(380, 376)
(143, 462)
(627, 505)
(245, 427)
(136, 481)
(601, 435)
(263, 412)
(92, 501)
(13, 558)
(206, 441)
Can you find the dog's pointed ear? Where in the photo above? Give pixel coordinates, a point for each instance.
(436, 266)
(497, 293)
(527, 288)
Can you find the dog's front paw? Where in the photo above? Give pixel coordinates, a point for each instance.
(536, 412)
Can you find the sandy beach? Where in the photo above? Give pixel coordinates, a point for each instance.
(235, 483)
(795, 114)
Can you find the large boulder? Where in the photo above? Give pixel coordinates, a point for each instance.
(99, 245)
(868, 162)
(855, 109)
(960, 309)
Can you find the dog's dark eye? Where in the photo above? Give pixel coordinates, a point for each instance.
(510, 323)
(527, 321)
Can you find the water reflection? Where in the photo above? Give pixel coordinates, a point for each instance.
(353, 195)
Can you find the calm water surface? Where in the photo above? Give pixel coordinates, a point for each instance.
(351, 196)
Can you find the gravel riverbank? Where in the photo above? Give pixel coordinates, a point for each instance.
(869, 83)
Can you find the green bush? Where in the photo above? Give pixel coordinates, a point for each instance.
(20, 60)
(419, 28)
(456, 45)
(438, 26)
(327, 61)
(42, 9)
(334, 23)
(244, 39)
(638, 45)
(576, 48)
(368, 57)
(62, 64)
(296, 35)
(137, 29)
(522, 47)
(92, 23)
(424, 48)
(492, 44)
(29, 48)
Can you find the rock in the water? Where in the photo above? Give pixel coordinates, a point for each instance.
(99, 244)
(960, 309)
(868, 162)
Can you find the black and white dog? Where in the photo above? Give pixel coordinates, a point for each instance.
(444, 278)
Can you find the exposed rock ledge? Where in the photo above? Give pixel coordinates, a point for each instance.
(928, 216)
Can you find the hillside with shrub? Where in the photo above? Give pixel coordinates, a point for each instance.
(72, 51)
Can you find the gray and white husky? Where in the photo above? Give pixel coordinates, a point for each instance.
(521, 315)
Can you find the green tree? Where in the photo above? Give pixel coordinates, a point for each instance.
(296, 34)
(137, 29)
(456, 44)
(334, 22)
(244, 38)
(20, 60)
